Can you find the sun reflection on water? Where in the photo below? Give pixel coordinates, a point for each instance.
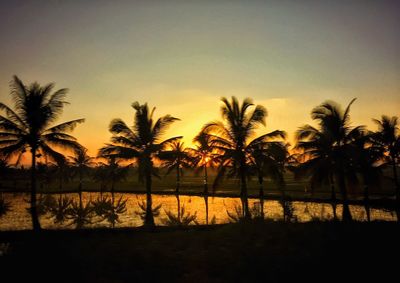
(19, 218)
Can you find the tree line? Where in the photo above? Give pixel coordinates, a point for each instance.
(333, 153)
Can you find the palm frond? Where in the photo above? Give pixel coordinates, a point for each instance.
(52, 154)
(12, 150)
(347, 111)
(64, 127)
(10, 126)
(257, 117)
(62, 141)
(268, 137)
(162, 125)
(12, 116)
(118, 151)
(18, 93)
(305, 132)
(118, 126)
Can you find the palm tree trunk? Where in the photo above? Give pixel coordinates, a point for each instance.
(149, 218)
(366, 203)
(333, 197)
(346, 215)
(112, 202)
(60, 183)
(35, 219)
(243, 193)
(396, 181)
(179, 207)
(284, 203)
(80, 190)
(261, 183)
(206, 202)
(178, 179)
(205, 180)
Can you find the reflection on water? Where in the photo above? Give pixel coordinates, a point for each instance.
(19, 218)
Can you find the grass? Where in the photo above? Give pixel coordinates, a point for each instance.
(251, 252)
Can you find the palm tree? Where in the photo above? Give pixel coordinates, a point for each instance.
(81, 163)
(327, 152)
(315, 161)
(203, 156)
(232, 138)
(388, 138)
(28, 127)
(114, 172)
(268, 159)
(100, 175)
(368, 157)
(63, 173)
(142, 143)
(176, 157)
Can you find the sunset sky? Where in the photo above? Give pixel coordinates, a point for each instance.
(182, 56)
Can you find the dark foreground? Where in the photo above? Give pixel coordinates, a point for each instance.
(255, 252)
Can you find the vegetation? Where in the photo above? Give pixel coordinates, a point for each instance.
(328, 151)
(204, 156)
(334, 155)
(176, 157)
(81, 164)
(388, 139)
(234, 140)
(28, 127)
(142, 143)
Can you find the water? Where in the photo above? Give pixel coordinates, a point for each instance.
(19, 218)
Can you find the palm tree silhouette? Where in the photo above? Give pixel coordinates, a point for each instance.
(204, 156)
(315, 160)
(28, 127)
(63, 173)
(369, 165)
(327, 152)
(142, 143)
(268, 159)
(388, 138)
(113, 172)
(232, 139)
(176, 157)
(81, 162)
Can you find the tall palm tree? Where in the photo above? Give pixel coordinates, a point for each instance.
(203, 156)
(28, 127)
(81, 162)
(113, 172)
(368, 164)
(388, 138)
(176, 157)
(268, 159)
(328, 151)
(315, 161)
(141, 143)
(232, 138)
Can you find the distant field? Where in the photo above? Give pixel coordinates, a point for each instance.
(190, 183)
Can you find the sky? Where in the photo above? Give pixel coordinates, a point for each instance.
(183, 56)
